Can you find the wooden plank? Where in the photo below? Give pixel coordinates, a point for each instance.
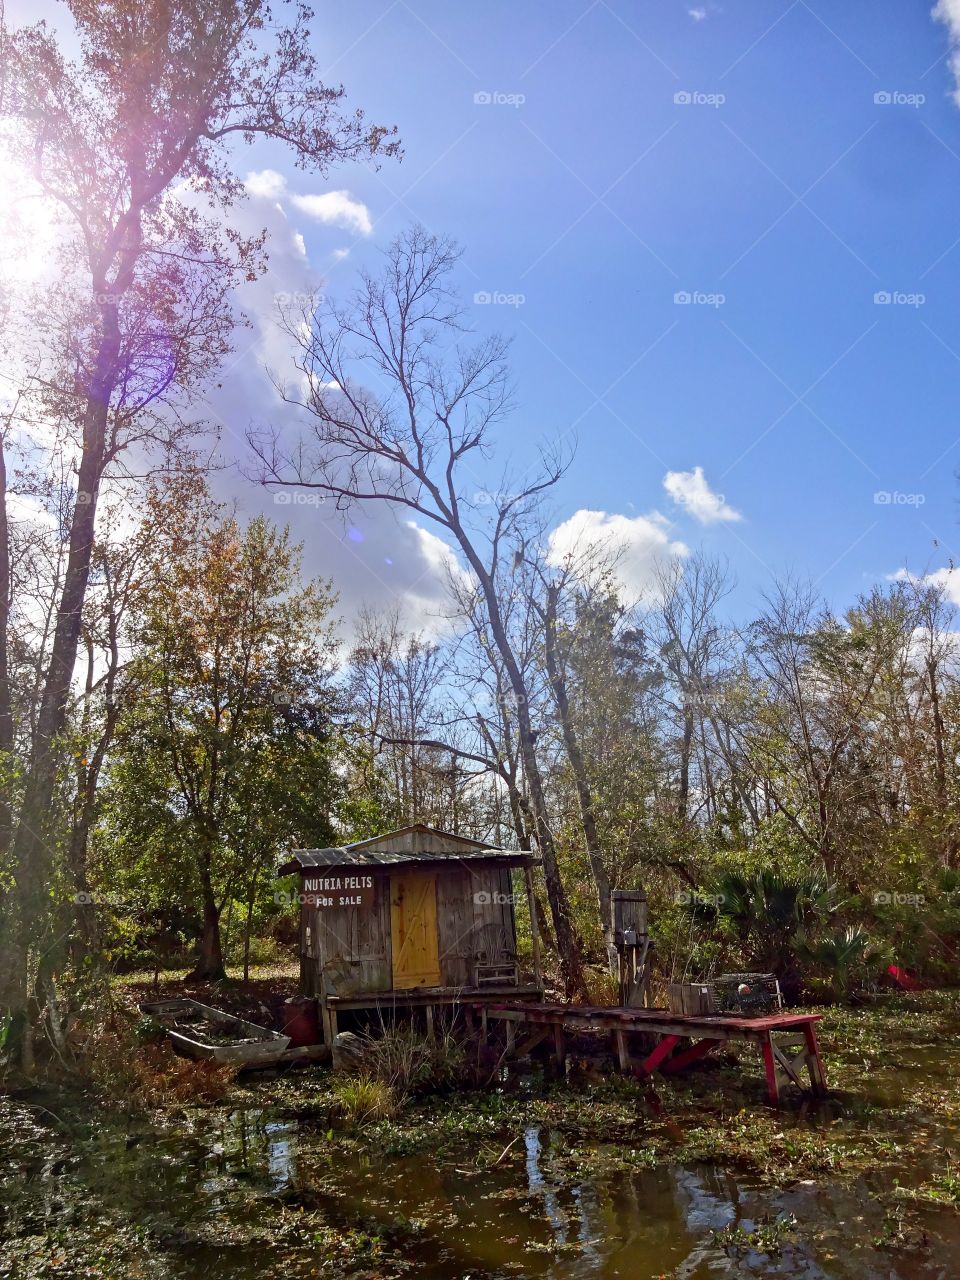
(770, 1066)
(674, 1028)
(532, 1041)
(623, 1053)
(786, 1063)
(454, 926)
(818, 1077)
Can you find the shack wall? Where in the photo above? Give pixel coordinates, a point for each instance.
(347, 951)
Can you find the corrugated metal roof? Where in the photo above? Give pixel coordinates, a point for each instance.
(351, 856)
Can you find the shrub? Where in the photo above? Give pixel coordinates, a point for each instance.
(126, 1058)
(602, 987)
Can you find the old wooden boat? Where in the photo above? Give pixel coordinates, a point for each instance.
(199, 1031)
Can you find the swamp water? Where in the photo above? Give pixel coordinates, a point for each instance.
(251, 1193)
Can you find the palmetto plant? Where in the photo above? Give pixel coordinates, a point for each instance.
(767, 910)
(845, 958)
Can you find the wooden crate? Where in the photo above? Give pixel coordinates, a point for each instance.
(690, 998)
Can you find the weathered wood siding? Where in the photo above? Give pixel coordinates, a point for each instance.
(353, 952)
(454, 926)
(349, 951)
(418, 840)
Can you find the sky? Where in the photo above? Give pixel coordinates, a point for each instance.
(723, 238)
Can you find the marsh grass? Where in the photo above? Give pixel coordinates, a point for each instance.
(364, 1100)
(413, 1063)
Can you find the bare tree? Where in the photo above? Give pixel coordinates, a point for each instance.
(403, 413)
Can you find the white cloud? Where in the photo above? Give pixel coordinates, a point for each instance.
(697, 15)
(948, 12)
(340, 254)
(947, 578)
(336, 209)
(266, 184)
(643, 544)
(690, 489)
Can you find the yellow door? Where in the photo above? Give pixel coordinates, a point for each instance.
(413, 927)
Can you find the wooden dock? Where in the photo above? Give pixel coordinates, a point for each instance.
(787, 1041)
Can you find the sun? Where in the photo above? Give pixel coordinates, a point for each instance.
(28, 227)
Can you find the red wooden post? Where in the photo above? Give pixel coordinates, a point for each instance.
(662, 1051)
(686, 1056)
(770, 1062)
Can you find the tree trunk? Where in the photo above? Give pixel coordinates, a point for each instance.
(209, 966)
(35, 836)
(940, 758)
(686, 749)
(571, 741)
(6, 713)
(12, 980)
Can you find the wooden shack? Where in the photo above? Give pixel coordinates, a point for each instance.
(414, 918)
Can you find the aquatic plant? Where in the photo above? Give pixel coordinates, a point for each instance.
(363, 1099)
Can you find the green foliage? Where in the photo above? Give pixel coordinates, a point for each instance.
(845, 959)
(226, 755)
(765, 911)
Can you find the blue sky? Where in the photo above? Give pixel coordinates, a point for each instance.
(781, 163)
(784, 186)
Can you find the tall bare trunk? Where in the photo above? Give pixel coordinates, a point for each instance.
(571, 741)
(568, 944)
(6, 707)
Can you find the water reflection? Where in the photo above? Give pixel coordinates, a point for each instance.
(520, 1218)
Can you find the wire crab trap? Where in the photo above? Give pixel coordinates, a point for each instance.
(750, 994)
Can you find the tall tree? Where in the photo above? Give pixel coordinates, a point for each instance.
(414, 446)
(231, 648)
(129, 143)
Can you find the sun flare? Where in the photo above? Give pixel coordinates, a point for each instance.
(28, 227)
